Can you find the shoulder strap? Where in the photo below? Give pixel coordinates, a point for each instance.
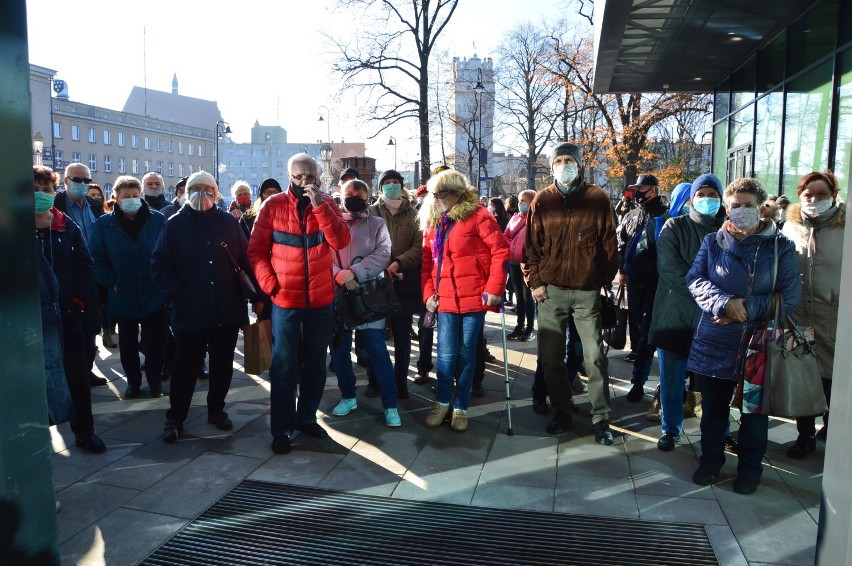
(224, 246)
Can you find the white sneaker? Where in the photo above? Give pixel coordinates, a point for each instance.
(392, 417)
(345, 407)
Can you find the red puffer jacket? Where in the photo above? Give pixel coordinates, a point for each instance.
(290, 252)
(476, 254)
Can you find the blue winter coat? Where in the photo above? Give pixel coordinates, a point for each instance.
(725, 269)
(193, 270)
(123, 265)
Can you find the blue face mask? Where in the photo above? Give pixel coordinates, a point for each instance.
(685, 209)
(523, 208)
(706, 206)
(391, 191)
(79, 190)
(131, 205)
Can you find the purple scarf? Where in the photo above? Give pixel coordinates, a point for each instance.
(440, 236)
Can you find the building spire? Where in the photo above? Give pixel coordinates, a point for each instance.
(174, 84)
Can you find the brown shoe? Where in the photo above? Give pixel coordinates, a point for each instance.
(459, 423)
(436, 415)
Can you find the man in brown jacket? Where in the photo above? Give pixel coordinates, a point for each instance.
(570, 252)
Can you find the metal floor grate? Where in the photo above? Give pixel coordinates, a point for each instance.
(267, 523)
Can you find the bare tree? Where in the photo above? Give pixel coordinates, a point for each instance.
(528, 93)
(390, 65)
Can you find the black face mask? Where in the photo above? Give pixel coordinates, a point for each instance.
(641, 197)
(355, 204)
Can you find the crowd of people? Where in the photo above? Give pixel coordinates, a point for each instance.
(700, 267)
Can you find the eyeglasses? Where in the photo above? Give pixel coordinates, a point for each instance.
(304, 177)
(84, 180)
(209, 192)
(443, 194)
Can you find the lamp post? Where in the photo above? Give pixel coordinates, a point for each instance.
(38, 148)
(478, 88)
(222, 127)
(392, 141)
(326, 149)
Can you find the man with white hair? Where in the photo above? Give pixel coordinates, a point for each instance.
(291, 253)
(192, 267)
(154, 190)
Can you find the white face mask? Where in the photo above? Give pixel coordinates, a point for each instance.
(816, 208)
(182, 199)
(744, 218)
(565, 173)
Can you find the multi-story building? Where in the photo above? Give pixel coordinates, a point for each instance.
(472, 100)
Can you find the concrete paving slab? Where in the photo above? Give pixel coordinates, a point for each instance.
(596, 495)
(725, 546)
(74, 464)
(508, 496)
(441, 483)
(298, 467)
(680, 509)
(85, 503)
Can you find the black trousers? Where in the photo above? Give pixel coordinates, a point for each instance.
(426, 338)
(75, 360)
(807, 425)
(189, 352)
(153, 328)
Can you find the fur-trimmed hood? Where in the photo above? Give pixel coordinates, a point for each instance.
(430, 215)
(794, 215)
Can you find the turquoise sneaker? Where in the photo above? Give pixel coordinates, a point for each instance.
(344, 407)
(392, 417)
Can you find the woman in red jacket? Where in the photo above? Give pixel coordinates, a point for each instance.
(464, 272)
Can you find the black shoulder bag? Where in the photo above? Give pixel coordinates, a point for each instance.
(372, 300)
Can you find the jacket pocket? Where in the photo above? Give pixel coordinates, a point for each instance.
(585, 237)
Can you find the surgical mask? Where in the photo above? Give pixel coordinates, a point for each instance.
(79, 190)
(523, 208)
(244, 200)
(153, 192)
(391, 191)
(706, 205)
(685, 209)
(816, 208)
(200, 200)
(43, 202)
(131, 205)
(491, 209)
(420, 200)
(182, 199)
(565, 174)
(744, 218)
(355, 204)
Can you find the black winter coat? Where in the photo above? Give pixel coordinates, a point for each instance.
(634, 221)
(194, 271)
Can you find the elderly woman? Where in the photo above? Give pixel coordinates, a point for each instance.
(122, 243)
(241, 203)
(395, 208)
(366, 256)
(816, 227)
(61, 242)
(515, 232)
(463, 274)
(192, 267)
(733, 280)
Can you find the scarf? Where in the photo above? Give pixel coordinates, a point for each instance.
(393, 206)
(441, 235)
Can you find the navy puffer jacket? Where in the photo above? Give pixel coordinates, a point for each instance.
(725, 269)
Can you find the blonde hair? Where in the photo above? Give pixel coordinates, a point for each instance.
(748, 186)
(526, 193)
(240, 184)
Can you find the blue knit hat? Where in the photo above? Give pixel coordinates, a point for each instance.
(680, 195)
(706, 180)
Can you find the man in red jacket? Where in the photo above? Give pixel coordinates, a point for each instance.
(290, 252)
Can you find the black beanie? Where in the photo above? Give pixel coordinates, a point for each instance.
(566, 148)
(390, 174)
(269, 183)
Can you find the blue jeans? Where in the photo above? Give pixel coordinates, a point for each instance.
(299, 341)
(672, 380)
(458, 335)
(373, 342)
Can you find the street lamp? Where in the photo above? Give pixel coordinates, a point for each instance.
(392, 141)
(327, 121)
(478, 89)
(38, 147)
(325, 154)
(222, 127)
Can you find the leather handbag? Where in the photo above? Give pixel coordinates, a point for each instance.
(372, 300)
(615, 332)
(795, 388)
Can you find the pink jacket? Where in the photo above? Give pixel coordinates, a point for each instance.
(515, 230)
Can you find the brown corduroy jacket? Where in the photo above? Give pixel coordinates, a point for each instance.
(570, 240)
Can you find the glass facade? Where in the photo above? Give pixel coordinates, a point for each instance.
(787, 110)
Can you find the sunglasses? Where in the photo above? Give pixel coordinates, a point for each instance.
(442, 194)
(84, 180)
(304, 177)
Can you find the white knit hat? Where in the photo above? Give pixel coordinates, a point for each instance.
(201, 177)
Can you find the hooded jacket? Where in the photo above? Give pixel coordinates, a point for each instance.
(406, 247)
(123, 265)
(724, 269)
(819, 245)
(290, 249)
(475, 258)
(570, 239)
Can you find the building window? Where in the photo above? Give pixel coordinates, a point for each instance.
(122, 165)
(180, 148)
(107, 164)
(106, 137)
(57, 130)
(92, 135)
(147, 165)
(843, 153)
(191, 169)
(160, 167)
(159, 144)
(57, 160)
(189, 148)
(230, 153)
(171, 168)
(171, 146)
(108, 191)
(75, 132)
(93, 162)
(134, 141)
(147, 143)
(120, 139)
(75, 157)
(180, 169)
(806, 123)
(134, 163)
(200, 151)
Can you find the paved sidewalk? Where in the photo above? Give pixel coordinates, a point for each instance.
(119, 506)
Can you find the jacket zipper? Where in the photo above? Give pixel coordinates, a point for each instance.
(304, 222)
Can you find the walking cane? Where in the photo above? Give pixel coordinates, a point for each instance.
(509, 432)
